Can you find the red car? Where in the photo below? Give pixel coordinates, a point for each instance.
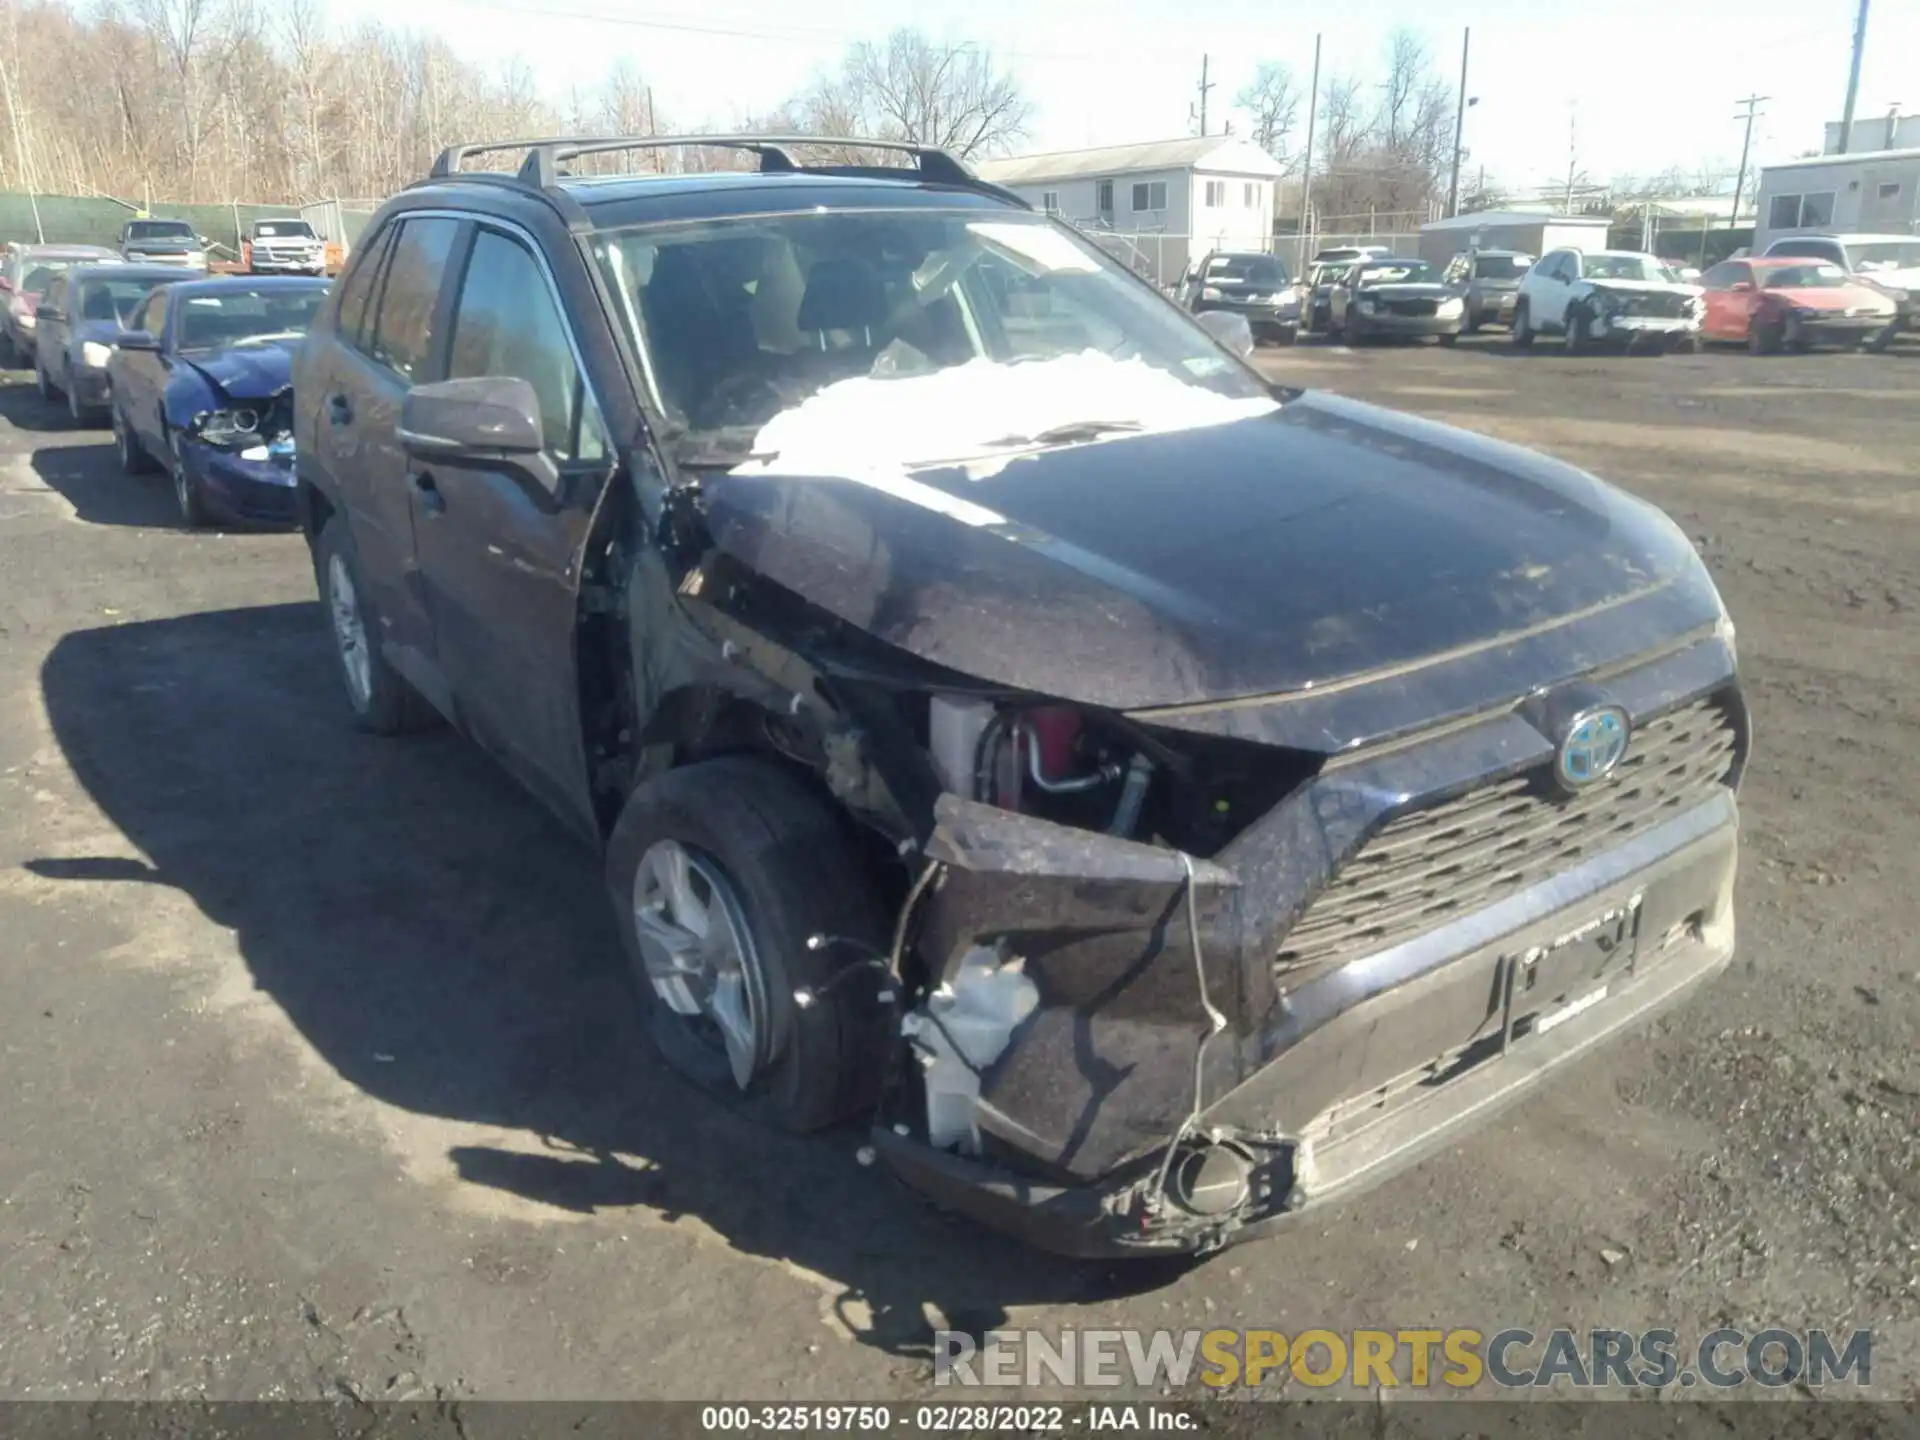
(1776, 302)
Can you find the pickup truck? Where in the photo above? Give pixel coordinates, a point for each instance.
(283, 247)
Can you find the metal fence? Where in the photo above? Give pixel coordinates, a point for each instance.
(98, 219)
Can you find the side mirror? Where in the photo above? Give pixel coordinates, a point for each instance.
(1230, 329)
(136, 340)
(492, 417)
(1740, 287)
(49, 312)
(1690, 273)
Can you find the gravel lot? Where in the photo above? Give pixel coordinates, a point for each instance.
(321, 1080)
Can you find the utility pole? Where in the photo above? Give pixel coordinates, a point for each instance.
(1459, 127)
(1306, 169)
(1205, 86)
(1752, 102)
(1573, 156)
(1853, 78)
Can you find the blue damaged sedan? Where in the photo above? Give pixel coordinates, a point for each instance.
(201, 388)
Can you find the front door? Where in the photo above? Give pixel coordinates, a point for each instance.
(500, 544)
(140, 376)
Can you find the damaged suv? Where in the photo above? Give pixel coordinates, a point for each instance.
(1157, 801)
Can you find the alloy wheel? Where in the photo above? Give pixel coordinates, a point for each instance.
(349, 630)
(699, 954)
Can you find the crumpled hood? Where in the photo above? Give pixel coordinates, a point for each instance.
(1907, 279)
(1322, 541)
(1834, 297)
(247, 372)
(1647, 287)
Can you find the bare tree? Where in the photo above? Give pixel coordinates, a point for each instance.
(1272, 104)
(911, 87)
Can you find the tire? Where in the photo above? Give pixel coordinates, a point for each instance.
(1471, 325)
(1351, 333)
(787, 868)
(9, 353)
(134, 458)
(76, 412)
(1521, 335)
(1579, 336)
(382, 702)
(1450, 340)
(187, 498)
(1762, 339)
(44, 383)
(1882, 340)
(1687, 345)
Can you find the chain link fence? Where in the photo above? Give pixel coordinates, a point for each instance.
(97, 219)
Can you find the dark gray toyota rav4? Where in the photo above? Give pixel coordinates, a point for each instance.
(1159, 802)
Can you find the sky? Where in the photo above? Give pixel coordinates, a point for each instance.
(1623, 87)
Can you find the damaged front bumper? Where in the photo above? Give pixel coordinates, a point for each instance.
(1121, 1119)
(239, 488)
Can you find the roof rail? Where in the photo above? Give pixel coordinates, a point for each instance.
(545, 156)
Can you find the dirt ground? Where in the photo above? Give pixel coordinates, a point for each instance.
(320, 1078)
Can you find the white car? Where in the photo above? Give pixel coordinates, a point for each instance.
(1607, 297)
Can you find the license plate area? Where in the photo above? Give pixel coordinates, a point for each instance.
(1546, 984)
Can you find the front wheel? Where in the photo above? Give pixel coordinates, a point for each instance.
(1763, 338)
(1521, 335)
(44, 383)
(1579, 333)
(382, 701)
(722, 875)
(133, 455)
(1450, 340)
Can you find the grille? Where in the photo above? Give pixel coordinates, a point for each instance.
(1412, 307)
(1431, 866)
(1666, 306)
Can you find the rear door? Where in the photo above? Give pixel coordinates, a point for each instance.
(386, 342)
(499, 545)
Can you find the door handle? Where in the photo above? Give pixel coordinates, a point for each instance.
(339, 410)
(431, 500)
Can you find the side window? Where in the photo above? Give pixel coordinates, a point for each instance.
(507, 323)
(56, 294)
(403, 326)
(152, 314)
(1738, 273)
(357, 289)
(1719, 277)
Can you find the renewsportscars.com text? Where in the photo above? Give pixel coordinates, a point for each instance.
(1412, 1358)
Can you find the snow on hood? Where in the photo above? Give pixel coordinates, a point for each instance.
(870, 428)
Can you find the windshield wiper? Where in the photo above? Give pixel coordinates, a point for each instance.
(1071, 431)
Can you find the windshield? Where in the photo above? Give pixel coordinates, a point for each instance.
(41, 272)
(1500, 267)
(283, 229)
(926, 333)
(1397, 272)
(1888, 255)
(1814, 275)
(160, 230)
(216, 319)
(113, 300)
(1254, 269)
(1626, 267)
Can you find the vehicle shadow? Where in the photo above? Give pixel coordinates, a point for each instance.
(447, 947)
(23, 409)
(90, 478)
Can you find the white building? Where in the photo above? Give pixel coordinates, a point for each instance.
(1172, 198)
(1876, 132)
(1875, 192)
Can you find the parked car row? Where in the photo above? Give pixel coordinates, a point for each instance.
(192, 372)
(1807, 290)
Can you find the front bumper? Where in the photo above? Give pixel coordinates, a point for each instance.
(1637, 329)
(1386, 322)
(1357, 1071)
(88, 387)
(1836, 329)
(1262, 317)
(239, 491)
(286, 265)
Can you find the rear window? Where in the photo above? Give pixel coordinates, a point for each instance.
(1500, 267)
(158, 229)
(113, 300)
(283, 230)
(1255, 269)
